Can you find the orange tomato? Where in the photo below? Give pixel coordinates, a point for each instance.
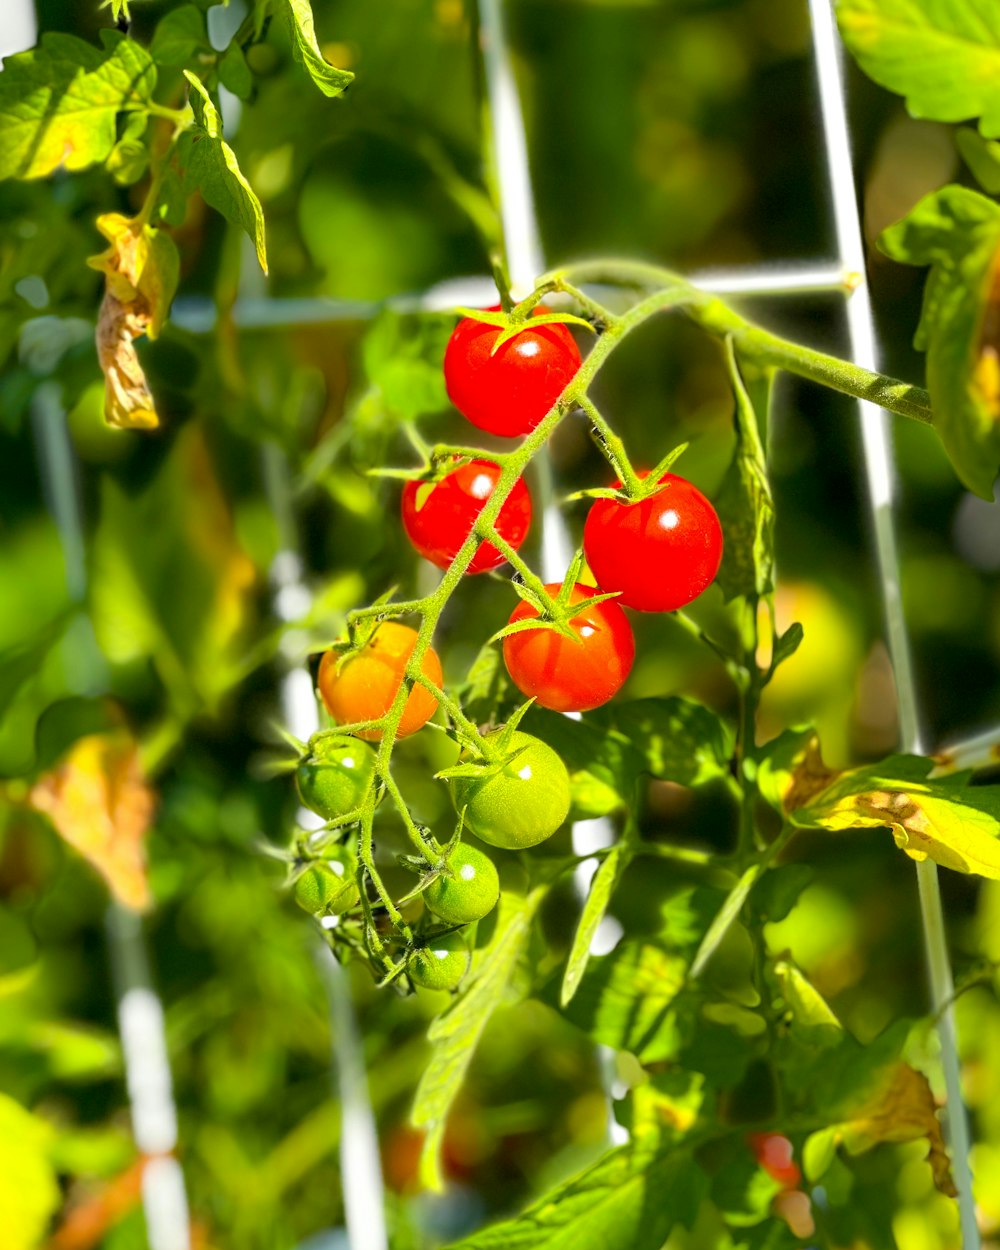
(363, 686)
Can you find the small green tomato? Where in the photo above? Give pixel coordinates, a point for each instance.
(522, 804)
(334, 778)
(466, 890)
(441, 964)
(328, 886)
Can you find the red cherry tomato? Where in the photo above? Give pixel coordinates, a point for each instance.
(572, 675)
(661, 552)
(438, 516)
(509, 393)
(774, 1152)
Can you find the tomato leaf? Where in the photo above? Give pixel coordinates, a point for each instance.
(604, 768)
(210, 166)
(601, 888)
(60, 101)
(679, 739)
(631, 1199)
(330, 80)
(942, 55)
(982, 156)
(180, 36)
(957, 232)
(456, 1033)
(744, 503)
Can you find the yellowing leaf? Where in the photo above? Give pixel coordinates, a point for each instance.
(28, 1191)
(900, 1109)
(100, 803)
(141, 269)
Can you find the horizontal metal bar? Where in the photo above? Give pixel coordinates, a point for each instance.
(198, 315)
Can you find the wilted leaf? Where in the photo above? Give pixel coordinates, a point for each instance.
(791, 772)
(901, 1108)
(100, 803)
(942, 55)
(744, 503)
(456, 1033)
(59, 102)
(29, 1193)
(957, 232)
(956, 825)
(140, 272)
(330, 80)
(210, 166)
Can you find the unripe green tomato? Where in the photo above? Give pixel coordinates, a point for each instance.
(336, 776)
(328, 886)
(466, 890)
(441, 964)
(521, 805)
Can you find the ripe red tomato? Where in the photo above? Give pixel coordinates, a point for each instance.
(438, 516)
(509, 393)
(572, 676)
(364, 685)
(661, 552)
(774, 1152)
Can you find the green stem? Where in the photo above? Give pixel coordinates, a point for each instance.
(612, 446)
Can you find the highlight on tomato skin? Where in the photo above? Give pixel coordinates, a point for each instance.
(661, 552)
(363, 686)
(510, 392)
(439, 516)
(567, 675)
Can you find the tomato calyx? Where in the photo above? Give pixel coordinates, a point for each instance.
(485, 755)
(646, 484)
(554, 613)
(519, 318)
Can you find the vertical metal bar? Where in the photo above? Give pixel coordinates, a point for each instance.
(881, 486)
(139, 1009)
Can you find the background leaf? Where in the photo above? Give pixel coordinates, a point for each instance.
(330, 80)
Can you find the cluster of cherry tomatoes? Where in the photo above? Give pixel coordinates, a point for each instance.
(654, 553)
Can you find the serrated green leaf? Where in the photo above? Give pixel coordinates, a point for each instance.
(625, 1000)
(943, 56)
(486, 686)
(29, 1194)
(957, 232)
(60, 101)
(403, 356)
(631, 1199)
(598, 897)
(982, 156)
(456, 1033)
(180, 36)
(786, 644)
(210, 166)
(680, 739)
(744, 503)
(330, 80)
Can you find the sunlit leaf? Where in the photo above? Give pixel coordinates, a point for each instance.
(630, 1200)
(210, 166)
(942, 55)
(456, 1033)
(330, 80)
(957, 232)
(601, 888)
(29, 1193)
(59, 102)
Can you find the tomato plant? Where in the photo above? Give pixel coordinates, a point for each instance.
(438, 516)
(576, 673)
(252, 746)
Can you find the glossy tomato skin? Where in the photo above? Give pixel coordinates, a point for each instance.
(329, 885)
(441, 963)
(363, 686)
(571, 676)
(661, 552)
(522, 804)
(467, 889)
(439, 516)
(509, 393)
(335, 776)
